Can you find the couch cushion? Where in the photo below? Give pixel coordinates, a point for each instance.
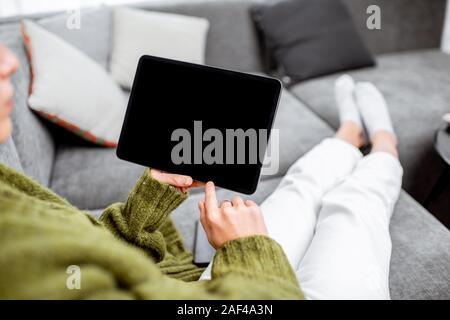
(92, 177)
(9, 155)
(420, 262)
(34, 143)
(231, 41)
(299, 129)
(415, 85)
(93, 37)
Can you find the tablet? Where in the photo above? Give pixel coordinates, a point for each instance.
(199, 121)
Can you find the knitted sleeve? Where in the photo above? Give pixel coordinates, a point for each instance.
(253, 268)
(137, 221)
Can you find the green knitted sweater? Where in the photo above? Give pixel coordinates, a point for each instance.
(133, 252)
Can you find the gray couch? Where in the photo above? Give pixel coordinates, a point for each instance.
(415, 82)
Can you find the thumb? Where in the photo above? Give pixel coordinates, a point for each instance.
(176, 180)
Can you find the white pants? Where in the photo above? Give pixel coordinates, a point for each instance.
(331, 215)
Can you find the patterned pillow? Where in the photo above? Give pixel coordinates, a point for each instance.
(72, 90)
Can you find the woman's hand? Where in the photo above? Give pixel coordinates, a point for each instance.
(231, 220)
(183, 183)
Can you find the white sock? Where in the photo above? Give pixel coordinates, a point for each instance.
(373, 108)
(344, 95)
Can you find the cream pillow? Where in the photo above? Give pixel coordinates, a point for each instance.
(72, 90)
(139, 32)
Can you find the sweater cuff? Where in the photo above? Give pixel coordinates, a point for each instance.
(151, 202)
(253, 256)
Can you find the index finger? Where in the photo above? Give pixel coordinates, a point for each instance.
(176, 180)
(210, 198)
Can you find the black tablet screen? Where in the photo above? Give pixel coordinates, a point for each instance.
(199, 121)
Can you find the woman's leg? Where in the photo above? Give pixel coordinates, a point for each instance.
(291, 211)
(350, 253)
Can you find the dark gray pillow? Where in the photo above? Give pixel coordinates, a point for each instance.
(304, 39)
